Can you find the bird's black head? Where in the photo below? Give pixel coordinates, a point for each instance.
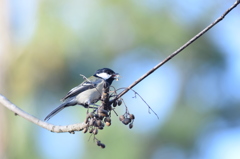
(107, 74)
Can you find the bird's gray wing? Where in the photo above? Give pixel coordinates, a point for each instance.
(81, 88)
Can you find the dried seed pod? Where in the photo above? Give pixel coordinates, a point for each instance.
(91, 122)
(96, 116)
(131, 116)
(101, 115)
(100, 127)
(102, 145)
(91, 130)
(115, 103)
(130, 125)
(102, 112)
(85, 130)
(121, 117)
(95, 131)
(126, 121)
(99, 143)
(107, 119)
(108, 123)
(99, 123)
(119, 102)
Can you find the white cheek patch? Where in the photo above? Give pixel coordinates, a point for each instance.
(104, 75)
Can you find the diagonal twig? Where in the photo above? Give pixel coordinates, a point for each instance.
(179, 50)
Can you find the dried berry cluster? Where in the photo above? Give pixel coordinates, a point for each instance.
(95, 120)
(127, 118)
(99, 117)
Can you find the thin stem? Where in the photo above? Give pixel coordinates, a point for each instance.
(179, 50)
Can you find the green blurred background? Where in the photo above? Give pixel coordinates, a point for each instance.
(45, 45)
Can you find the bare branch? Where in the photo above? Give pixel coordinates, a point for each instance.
(179, 50)
(53, 128)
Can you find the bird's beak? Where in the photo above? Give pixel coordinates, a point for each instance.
(116, 76)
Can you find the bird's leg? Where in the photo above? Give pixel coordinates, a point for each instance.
(96, 105)
(93, 106)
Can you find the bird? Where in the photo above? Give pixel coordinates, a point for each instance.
(88, 92)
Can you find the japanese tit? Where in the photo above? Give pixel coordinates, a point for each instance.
(88, 92)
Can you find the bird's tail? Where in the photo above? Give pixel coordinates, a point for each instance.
(57, 110)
